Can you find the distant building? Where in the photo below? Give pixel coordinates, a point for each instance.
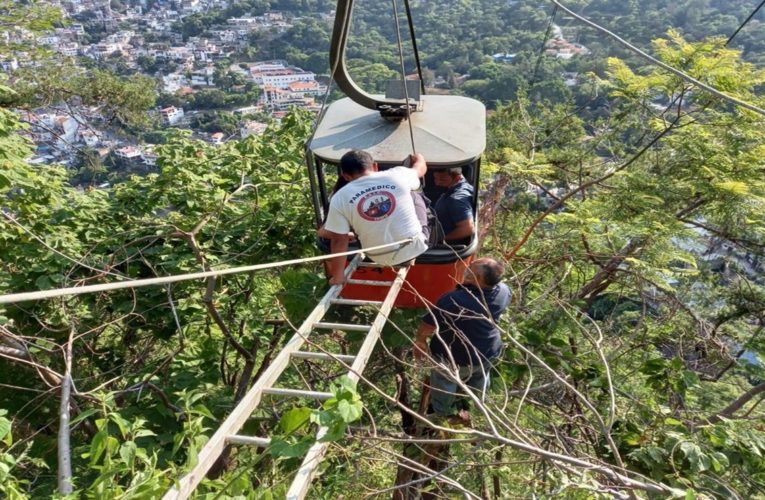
(50, 40)
(203, 77)
(277, 74)
(248, 110)
(150, 158)
(9, 65)
(129, 153)
(217, 138)
(171, 115)
(309, 88)
(69, 49)
(563, 49)
(503, 57)
(277, 99)
(571, 79)
(102, 50)
(90, 138)
(173, 82)
(252, 127)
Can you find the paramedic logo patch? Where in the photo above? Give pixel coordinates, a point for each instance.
(376, 206)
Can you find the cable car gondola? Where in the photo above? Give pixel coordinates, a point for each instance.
(450, 131)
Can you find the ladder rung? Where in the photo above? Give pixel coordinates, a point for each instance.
(370, 264)
(345, 358)
(370, 282)
(343, 327)
(249, 440)
(353, 302)
(299, 393)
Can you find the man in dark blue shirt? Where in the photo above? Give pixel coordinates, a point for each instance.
(466, 339)
(454, 208)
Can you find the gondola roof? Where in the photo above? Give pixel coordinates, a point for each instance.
(449, 130)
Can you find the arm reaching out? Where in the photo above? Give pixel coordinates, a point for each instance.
(421, 341)
(418, 164)
(337, 264)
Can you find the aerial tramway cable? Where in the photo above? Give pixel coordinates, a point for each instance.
(550, 23)
(414, 44)
(653, 60)
(320, 115)
(746, 21)
(403, 74)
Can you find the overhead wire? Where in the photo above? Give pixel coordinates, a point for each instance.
(164, 280)
(653, 60)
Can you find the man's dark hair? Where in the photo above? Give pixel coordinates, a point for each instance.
(491, 271)
(356, 162)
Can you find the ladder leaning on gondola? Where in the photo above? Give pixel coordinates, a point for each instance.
(228, 432)
(450, 131)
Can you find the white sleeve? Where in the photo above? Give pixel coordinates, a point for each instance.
(408, 176)
(336, 221)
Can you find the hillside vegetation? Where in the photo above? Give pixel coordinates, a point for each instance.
(629, 212)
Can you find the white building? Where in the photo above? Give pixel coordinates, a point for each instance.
(252, 127)
(66, 128)
(90, 138)
(217, 138)
(203, 77)
(50, 40)
(69, 49)
(128, 153)
(9, 64)
(172, 83)
(281, 78)
(171, 115)
(102, 50)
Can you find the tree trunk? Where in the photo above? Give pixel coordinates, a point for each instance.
(64, 447)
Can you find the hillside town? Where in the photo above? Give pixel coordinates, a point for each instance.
(146, 38)
(198, 54)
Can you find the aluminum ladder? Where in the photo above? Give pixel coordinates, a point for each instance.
(227, 431)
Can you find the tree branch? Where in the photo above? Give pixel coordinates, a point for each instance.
(737, 404)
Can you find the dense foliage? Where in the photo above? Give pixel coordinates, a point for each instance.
(630, 216)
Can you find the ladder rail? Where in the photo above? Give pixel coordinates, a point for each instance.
(210, 453)
(302, 481)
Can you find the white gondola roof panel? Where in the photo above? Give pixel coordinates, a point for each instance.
(449, 129)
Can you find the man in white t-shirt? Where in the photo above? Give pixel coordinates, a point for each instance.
(379, 207)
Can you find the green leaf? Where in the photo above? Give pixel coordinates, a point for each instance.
(128, 452)
(334, 432)
(82, 416)
(290, 448)
(97, 447)
(294, 419)
(5, 431)
(121, 423)
(733, 187)
(349, 411)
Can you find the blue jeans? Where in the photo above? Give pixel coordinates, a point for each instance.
(444, 389)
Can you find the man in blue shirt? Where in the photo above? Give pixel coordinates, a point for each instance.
(466, 339)
(454, 208)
